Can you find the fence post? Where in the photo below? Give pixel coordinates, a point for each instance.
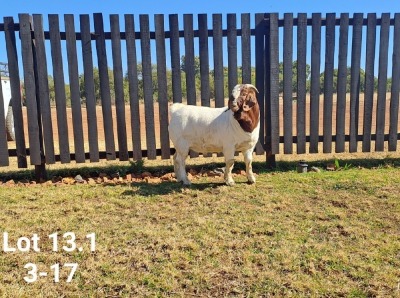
(40, 170)
(270, 156)
(32, 96)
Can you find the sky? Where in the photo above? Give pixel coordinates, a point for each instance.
(13, 8)
(180, 7)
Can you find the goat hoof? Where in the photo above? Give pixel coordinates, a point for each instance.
(251, 180)
(186, 183)
(230, 183)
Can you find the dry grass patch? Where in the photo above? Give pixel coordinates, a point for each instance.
(300, 235)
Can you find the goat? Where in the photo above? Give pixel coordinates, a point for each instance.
(215, 130)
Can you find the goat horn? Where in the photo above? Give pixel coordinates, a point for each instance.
(252, 86)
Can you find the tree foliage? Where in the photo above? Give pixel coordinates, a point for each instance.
(154, 78)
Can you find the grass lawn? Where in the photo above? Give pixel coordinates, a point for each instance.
(327, 234)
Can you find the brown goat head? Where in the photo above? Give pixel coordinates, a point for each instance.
(243, 103)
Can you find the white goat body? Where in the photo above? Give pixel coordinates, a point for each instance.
(209, 130)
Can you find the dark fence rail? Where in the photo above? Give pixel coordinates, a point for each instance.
(294, 114)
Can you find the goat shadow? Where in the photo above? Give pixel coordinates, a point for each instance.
(165, 188)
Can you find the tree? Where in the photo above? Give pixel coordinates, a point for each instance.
(294, 77)
(196, 65)
(96, 78)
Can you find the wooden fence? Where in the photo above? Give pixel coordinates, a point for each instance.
(311, 118)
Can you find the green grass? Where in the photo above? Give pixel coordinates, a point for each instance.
(328, 234)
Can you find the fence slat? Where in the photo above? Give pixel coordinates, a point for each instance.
(74, 88)
(342, 82)
(382, 81)
(15, 86)
(218, 61)
(89, 87)
(246, 48)
(30, 90)
(175, 58)
(273, 110)
(301, 82)
(315, 81)
(59, 88)
(104, 86)
(328, 81)
(119, 87)
(267, 84)
(147, 86)
(189, 59)
(232, 51)
(395, 89)
(3, 141)
(133, 85)
(287, 83)
(204, 64)
(369, 81)
(355, 80)
(162, 85)
(188, 34)
(260, 27)
(43, 89)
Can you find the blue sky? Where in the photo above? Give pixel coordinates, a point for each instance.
(12, 8)
(180, 7)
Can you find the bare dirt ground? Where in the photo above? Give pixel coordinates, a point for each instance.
(100, 124)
